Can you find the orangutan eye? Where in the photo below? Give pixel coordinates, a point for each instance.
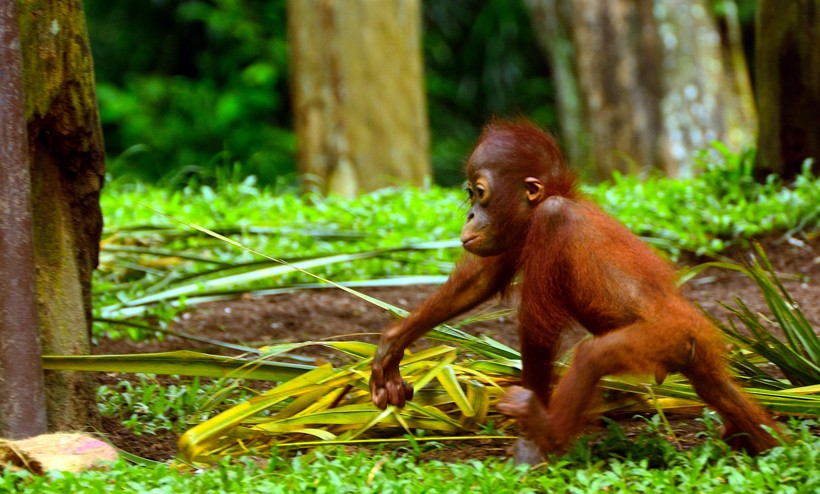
(470, 192)
(481, 192)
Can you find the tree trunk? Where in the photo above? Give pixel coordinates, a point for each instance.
(67, 170)
(788, 85)
(641, 83)
(22, 399)
(358, 99)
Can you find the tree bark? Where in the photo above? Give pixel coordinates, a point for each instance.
(788, 85)
(357, 91)
(641, 83)
(67, 169)
(22, 399)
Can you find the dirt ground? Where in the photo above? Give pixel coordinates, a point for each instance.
(333, 314)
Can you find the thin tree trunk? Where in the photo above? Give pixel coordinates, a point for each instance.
(22, 398)
(358, 97)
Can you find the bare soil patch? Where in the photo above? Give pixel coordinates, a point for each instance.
(333, 314)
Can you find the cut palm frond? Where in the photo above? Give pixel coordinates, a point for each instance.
(173, 232)
(224, 280)
(797, 354)
(452, 397)
(131, 309)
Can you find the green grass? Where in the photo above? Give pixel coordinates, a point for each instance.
(148, 406)
(721, 207)
(621, 465)
(144, 251)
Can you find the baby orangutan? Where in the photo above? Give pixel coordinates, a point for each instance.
(577, 266)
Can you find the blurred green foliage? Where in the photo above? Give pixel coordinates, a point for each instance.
(188, 86)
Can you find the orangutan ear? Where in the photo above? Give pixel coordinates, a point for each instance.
(535, 190)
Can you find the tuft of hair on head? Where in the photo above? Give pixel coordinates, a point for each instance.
(525, 148)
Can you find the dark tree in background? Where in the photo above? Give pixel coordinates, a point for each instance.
(65, 151)
(788, 85)
(641, 83)
(480, 61)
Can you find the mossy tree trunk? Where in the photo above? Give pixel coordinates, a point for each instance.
(788, 85)
(358, 99)
(641, 83)
(67, 172)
